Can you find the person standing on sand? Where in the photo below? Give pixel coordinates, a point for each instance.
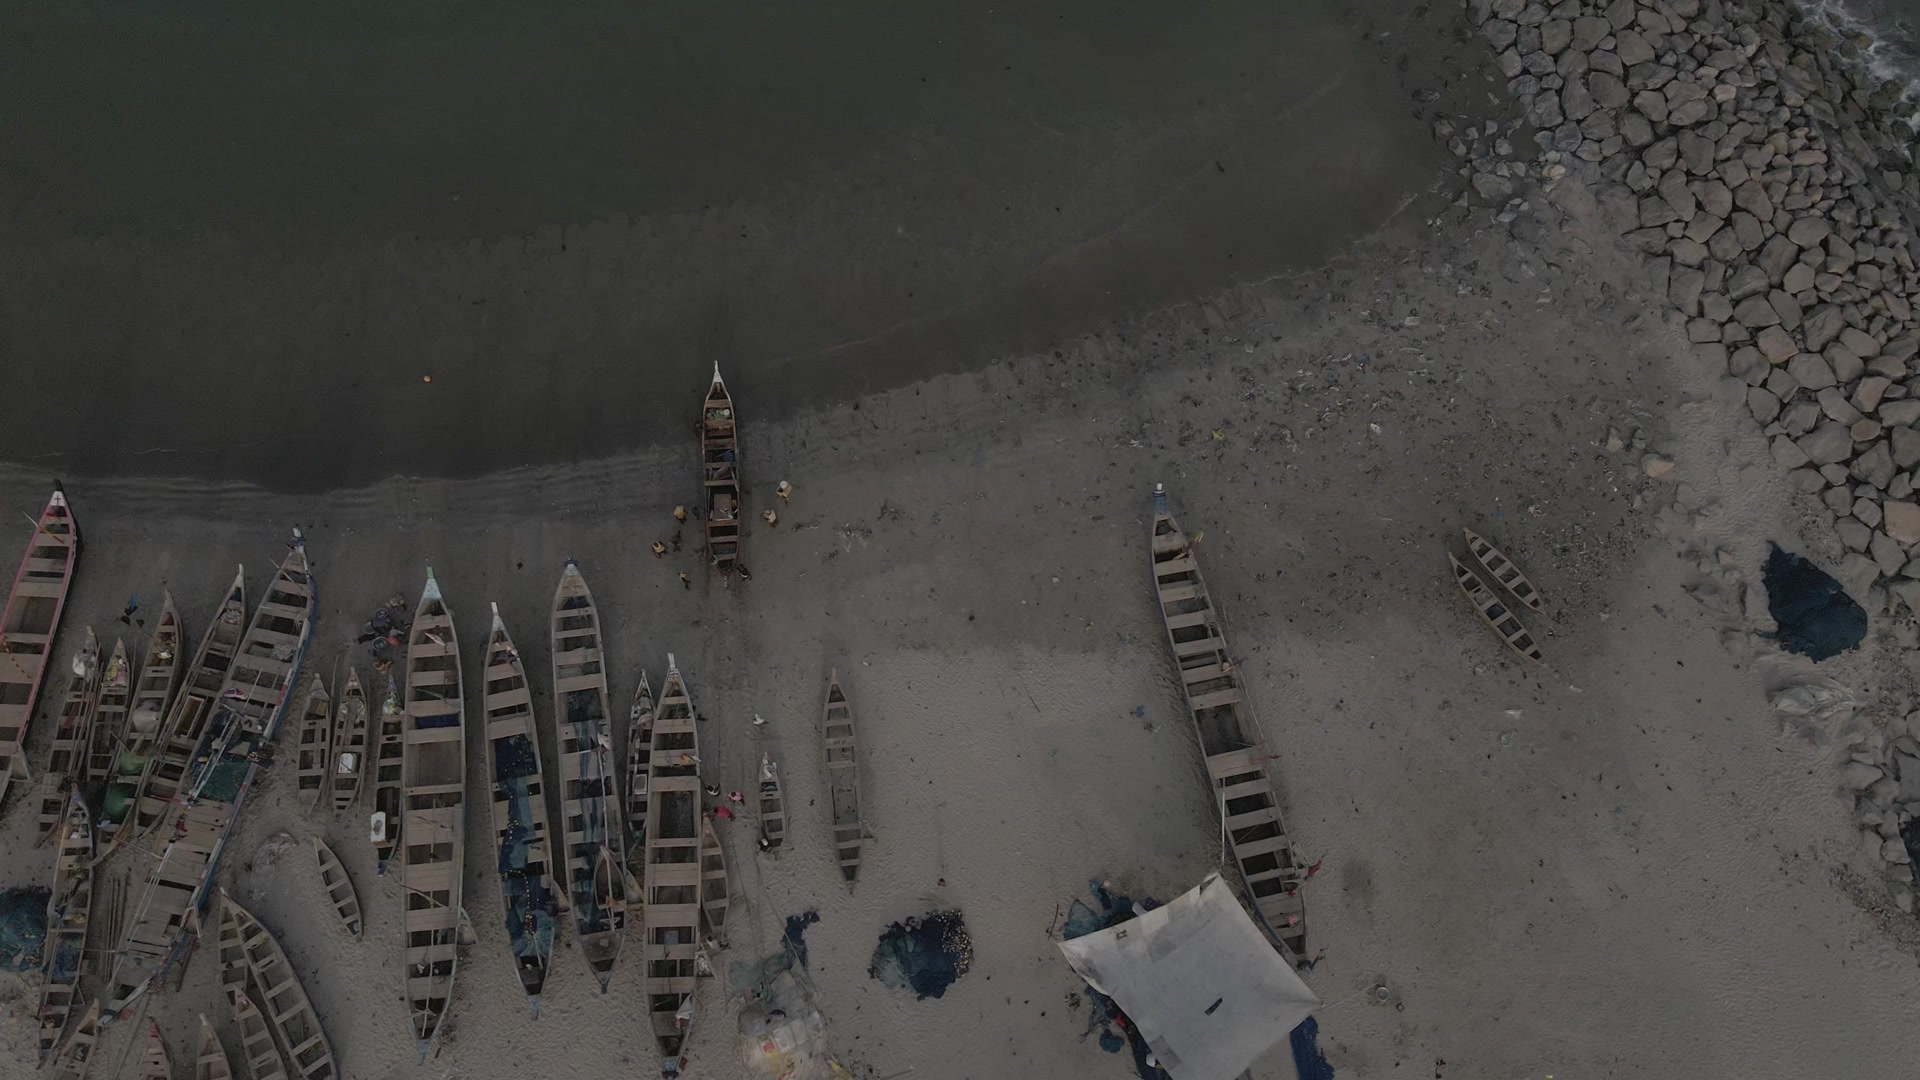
(685, 581)
(770, 518)
(784, 490)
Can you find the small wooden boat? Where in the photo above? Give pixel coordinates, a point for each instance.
(288, 1011)
(388, 774)
(233, 949)
(349, 742)
(155, 1062)
(187, 720)
(714, 897)
(67, 760)
(63, 955)
(334, 879)
(134, 757)
(1503, 571)
(589, 785)
(522, 841)
(720, 457)
(256, 1041)
(211, 1062)
(109, 716)
(1494, 613)
(843, 777)
(433, 807)
(773, 806)
(77, 1053)
(28, 626)
(1265, 858)
(314, 746)
(673, 871)
(639, 753)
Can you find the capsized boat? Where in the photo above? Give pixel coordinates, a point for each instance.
(155, 1062)
(284, 1001)
(843, 777)
(256, 1041)
(339, 887)
(433, 808)
(522, 840)
(388, 771)
(211, 1062)
(187, 720)
(63, 954)
(589, 785)
(28, 626)
(133, 758)
(714, 895)
(349, 741)
(236, 747)
(315, 745)
(77, 1053)
(639, 753)
(1494, 613)
(1264, 857)
(672, 946)
(109, 716)
(67, 760)
(773, 806)
(720, 457)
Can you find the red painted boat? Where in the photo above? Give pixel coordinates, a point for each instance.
(28, 627)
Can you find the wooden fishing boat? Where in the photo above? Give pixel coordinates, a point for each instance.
(28, 626)
(67, 760)
(256, 1041)
(211, 1062)
(109, 716)
(236, 747)
(1494, 613)
(284, 1001)
(1265, 859)
(714, 896)
(133, 758)
(63, 954)
(155, 1062)
(672, 945)
(233, 950)
(589, 786)
(720, 457)
(187, 720)
(773, 806)
(1504, 573)
(77, 1053)
(522, 841)
(639, 753)
(388, 774)
(433, 808)
(315, 745)
(843, 777)
(349, 742)
(339, 887)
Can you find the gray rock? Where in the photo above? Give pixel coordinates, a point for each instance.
(1555, 35)
(1806, 481)
(1655, 211)
(1588, 32)
(1834, 404)
(1854, 534)
(1906, 446)
(1822, 325)
(1859, 776)
(1703, 226)
(1786, 307)
(1846, 366)
(1699, 330)
(1688, 252)
(1811, 371)
(1683, 288)
(1746, 280)
(1689, 112)
(1636, 129)
(1798, 278)
(1866, 398)
(1752, 198)
(1716, 306)
(1788, 455)
(1621, 14)
(1603, 60)
(1806, 232)
(1902, 520)
(1660, 156)
(1900, 413)
(1652, 105)
(1545, 110)
(1492, 187)
(1747, 230)
(1673, 188)
(1775, 256)
(1510, 63)
(1776, 345)
(1754, 313)
(1875, 466)
(1762, 404)
(1828, 443)
(1500, 33)
(1902, 348)
(1632, 48)
(1867, 511)
(1607, 90)
(1724, 244)
(1575, 101)
(1887, 554)
(1746, 364)
(1859, 342)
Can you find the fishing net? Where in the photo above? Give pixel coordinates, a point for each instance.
(23, 927)
(925, 955)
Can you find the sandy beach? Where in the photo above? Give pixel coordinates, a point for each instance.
(1652, 856)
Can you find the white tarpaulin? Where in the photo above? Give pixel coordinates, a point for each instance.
(1204, 985)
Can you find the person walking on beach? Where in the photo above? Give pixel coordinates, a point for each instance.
(784, 490)
(770, 518)
(685, 581)
(659, 550)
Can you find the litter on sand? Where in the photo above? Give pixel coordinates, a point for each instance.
(1816, 617)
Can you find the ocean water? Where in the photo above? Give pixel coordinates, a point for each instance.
(1888, 30)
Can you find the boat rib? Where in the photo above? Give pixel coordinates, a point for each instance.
(155, 1062)
(339, 887)
(211, 1062)
(288, 1011)
(235, 748)
(522, 841)
(589, 788)
(256, 1041)
(28, 626)
(714, 896)
(77, 1053)
(349, 742)
(773, 806)
(672, 877)
(1503, 571)
(315, 743)
(843, 777)
(63, 954)
(133, 758)
(1494, 613)
(720, 457)
(388, 773)
(67, 760)
(433, 808)
(639, 753)
(1264, 856)
(109, 716)
(187, 720)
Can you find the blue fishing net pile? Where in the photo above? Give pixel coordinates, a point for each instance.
(1816, 617)
(23, 927)
(925, 955)
(795, 935)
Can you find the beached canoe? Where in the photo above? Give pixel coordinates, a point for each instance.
(720, 458)
(67, 758)
(773, 805)
(433, 811)
(843, 777)
(193, 708)
(1503, 571)
(282, 998)
(639, 754)
(589, 784)
(1265, 859)
(256, 1041)
(349, 744)
(672, 945)
(388, 774)
(76, 1054)
(63, 953)
(233, 950)
(523, 843)
(109, 718)
(134, 757)
(314, 743)
(211, 1061)
(338, 886)
(28, 626)
(155, 1062)
(235, 749)
(1494, 613)
(714, 894)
